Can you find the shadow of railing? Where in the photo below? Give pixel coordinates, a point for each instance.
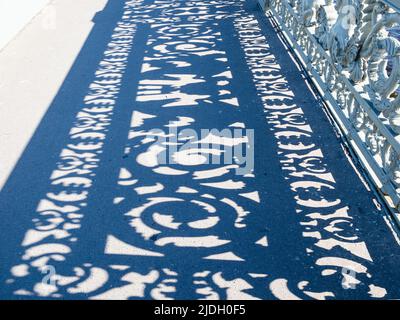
(105, 202)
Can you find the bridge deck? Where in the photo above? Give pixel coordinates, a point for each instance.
(115, 197)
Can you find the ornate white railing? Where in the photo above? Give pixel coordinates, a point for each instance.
(354, 61)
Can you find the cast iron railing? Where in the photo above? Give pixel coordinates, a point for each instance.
(352, 55)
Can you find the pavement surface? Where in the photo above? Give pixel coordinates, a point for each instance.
(183, 156)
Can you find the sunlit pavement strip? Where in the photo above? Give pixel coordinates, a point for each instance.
(106, 203)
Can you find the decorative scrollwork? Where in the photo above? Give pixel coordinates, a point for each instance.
(380, 49)
(355, 59)
(326, 17)
(308, 10)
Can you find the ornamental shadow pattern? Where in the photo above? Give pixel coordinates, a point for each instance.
(115, 222)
